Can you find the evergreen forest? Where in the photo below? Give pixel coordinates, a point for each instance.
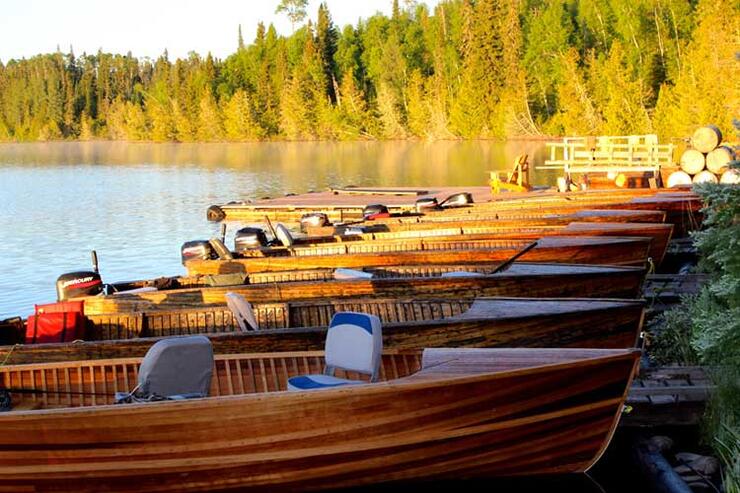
(464, 69)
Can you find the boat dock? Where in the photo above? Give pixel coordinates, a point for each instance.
(667, 396)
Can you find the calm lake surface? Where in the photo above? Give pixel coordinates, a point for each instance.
(137, 203)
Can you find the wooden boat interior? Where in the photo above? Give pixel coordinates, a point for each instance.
(434, 243)
(78, 384)
(318, 313)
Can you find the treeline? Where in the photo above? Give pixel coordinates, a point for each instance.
(470, 68)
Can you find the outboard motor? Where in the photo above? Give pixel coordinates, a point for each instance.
(313, 220)
(196, 250)
(426, 203)
(373, 211)
(457, 200)
(80, 283)
(249, 239)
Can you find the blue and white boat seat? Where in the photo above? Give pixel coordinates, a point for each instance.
(242, 311)
(354, 342)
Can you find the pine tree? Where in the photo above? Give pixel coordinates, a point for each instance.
(326, 44)
(210, 125)
(577, 113)
(239, 119)
(621, 96)
(698, 96)
(418, 108)
(240, 40)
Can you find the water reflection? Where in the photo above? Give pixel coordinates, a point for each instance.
(136, 203)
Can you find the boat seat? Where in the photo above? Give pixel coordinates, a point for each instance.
(242, 311)
(173, 369)
(354, 342)
(283, 234)
(340, 274)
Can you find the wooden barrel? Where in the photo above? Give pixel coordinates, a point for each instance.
(706, 138)
(705, 176)
(718, 159)
(692, 161)
(678, 178)
(730, 177)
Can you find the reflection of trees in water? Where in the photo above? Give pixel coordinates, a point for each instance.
(279, 167)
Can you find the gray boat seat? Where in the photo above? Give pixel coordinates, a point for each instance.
(173, 369)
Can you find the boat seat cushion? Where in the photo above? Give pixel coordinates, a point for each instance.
(318, 382)
(354, 342)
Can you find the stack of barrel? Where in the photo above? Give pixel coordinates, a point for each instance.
(706, 161)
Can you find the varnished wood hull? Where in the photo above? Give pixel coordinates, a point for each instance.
(343, 208)
(659, 233)
(521, 280)
(466, 414)
(578, 249)
(409, 324)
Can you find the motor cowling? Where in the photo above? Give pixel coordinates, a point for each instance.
(426, 203)
(196, 250)
(458, 200)
(249, 239)
(80, 283)
(373, 211)
(313, 220)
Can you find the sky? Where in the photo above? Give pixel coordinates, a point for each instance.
(147, 27)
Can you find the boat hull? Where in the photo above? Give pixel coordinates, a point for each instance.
(419, 251)
(461, 418)
(488, 322)
(520, 280)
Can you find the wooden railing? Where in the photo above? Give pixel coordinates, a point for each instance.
(633, 153)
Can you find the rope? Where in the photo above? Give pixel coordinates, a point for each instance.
(10, 353)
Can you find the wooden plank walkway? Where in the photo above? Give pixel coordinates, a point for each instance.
(664, 290)
(667, 396)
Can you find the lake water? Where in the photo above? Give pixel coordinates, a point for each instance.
(135, 204)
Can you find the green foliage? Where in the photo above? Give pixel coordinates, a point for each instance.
(670, 336)
(483, 68)
(706, 328)
(294, 9)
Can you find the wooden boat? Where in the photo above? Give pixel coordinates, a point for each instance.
(423, 251)
(407, 324)
(659, 233)
(418, 282)
(523, 218)
(348, 207)
(440, 413)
